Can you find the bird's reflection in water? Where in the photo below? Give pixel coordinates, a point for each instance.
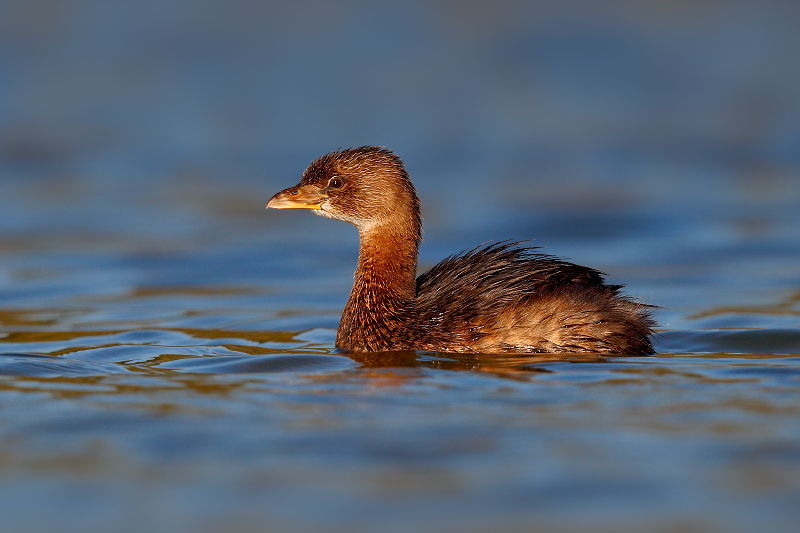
(495, 363)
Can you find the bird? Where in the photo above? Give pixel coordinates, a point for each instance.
(497, 298)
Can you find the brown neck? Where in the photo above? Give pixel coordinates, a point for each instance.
(383, 292)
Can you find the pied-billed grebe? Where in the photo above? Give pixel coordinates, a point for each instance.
(493, 299)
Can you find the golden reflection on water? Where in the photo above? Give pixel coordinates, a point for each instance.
(149, 292)
(789, 305)
(199, 334)
(10, 318)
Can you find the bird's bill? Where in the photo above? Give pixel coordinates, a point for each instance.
(298, 197)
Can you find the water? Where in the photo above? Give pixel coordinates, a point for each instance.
(167, 357)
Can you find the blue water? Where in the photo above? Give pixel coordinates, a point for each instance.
(167, 357)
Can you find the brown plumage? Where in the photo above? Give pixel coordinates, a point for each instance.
(500, 298)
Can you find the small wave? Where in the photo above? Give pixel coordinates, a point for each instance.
(254, 364)
(767, 341)
(46, 366)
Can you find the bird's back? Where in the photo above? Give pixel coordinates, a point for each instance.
(503, 298)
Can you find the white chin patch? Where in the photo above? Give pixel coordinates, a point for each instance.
(323, 213)
(327, 214)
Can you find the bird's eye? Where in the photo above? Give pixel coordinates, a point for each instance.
(336, 182)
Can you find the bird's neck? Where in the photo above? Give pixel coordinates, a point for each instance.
(384, 289)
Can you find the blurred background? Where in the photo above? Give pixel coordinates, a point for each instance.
(616, 134)
(658, 141)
